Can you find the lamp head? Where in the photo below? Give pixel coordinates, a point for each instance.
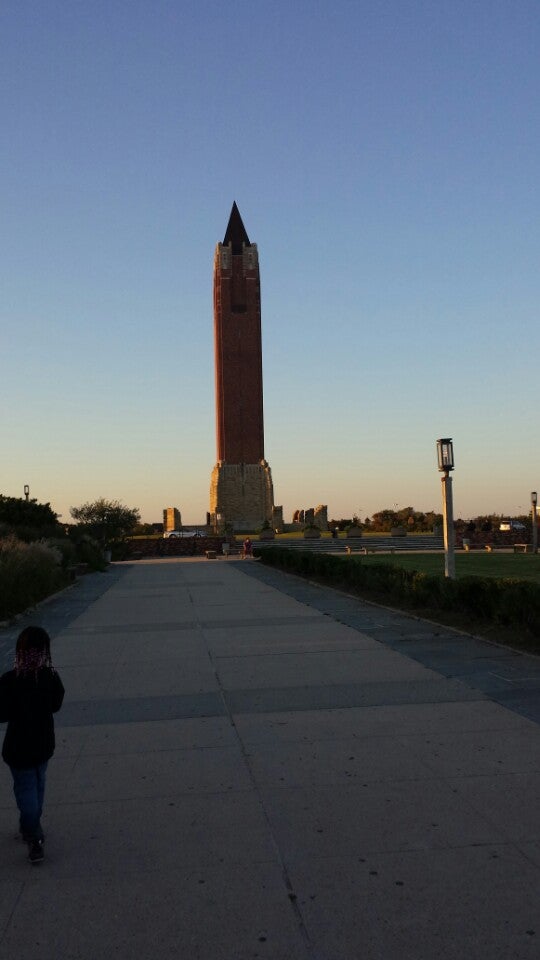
(445, 454)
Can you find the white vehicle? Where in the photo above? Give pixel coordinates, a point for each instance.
(509, 525)
(180, 533)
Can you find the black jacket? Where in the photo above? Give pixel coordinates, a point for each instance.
(27, 704)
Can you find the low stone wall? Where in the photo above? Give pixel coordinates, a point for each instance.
(144, 549)
(479, 539)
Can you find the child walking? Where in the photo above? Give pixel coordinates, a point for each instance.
(29, 695)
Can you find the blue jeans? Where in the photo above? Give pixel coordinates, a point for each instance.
(29, 789)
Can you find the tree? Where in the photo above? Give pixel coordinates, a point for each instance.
(28, 519)
(340, 524)
(144, 530)
(107, 520)
(15, 511)
(384, 520)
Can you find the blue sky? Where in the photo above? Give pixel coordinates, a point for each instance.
(384, 157)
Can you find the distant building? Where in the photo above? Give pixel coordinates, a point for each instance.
(277, 520)
(172, 519)
(321, 516)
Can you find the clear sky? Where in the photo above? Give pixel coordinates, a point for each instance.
(384, 156)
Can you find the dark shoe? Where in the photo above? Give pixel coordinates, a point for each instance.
(35, 851)
(26, 839)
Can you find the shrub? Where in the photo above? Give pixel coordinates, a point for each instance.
(121, 550)
(478, 596)
(28, 574)
(519, 604)
(30, 534)
(90, 552)
(66, 549)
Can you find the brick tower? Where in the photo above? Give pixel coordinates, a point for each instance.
(241, 486)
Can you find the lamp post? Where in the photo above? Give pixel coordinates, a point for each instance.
(445, 457)
(26, 492)
(534, 501)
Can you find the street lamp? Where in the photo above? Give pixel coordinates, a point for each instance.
(26, 492)
(534, 501)
(445, 457)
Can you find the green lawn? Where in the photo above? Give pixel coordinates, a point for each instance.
(519, 566)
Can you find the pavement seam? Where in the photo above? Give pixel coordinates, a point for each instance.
(291, 895)
(9, 920)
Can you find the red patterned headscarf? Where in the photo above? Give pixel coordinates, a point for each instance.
(33, 651)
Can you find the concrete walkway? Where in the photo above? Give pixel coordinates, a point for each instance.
(241, 775)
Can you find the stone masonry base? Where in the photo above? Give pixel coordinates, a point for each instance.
(242, 493)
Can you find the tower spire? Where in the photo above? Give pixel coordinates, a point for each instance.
(236, 231)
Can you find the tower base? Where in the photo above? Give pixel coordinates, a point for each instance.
(241, 494)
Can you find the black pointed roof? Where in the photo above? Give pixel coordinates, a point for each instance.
(236, 231)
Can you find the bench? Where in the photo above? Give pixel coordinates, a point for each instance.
(522, 548)
(210, 554)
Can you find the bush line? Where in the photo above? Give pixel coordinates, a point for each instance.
(30, 572)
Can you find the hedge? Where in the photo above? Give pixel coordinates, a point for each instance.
(29, 572)
(504, 602)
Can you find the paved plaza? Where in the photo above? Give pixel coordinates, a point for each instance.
(251, 766)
